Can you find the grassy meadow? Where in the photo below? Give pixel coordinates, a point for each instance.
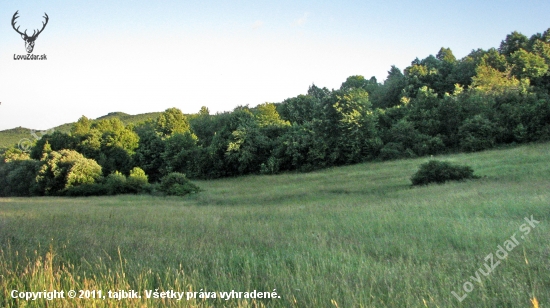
(353, 236)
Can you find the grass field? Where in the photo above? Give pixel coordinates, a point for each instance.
(354, 236)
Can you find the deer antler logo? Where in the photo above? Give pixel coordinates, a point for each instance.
(29, 40)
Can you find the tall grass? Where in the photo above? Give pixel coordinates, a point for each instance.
(355, 236)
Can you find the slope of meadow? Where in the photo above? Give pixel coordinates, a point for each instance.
(353, 236)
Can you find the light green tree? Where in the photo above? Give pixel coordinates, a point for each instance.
(528, 65)
(63, 169)
(266, 115)
(172, 121)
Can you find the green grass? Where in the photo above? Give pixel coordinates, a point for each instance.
(354, 236)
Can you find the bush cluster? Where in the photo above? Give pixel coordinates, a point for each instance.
(114, 184)
(69, 173)
(440, 172)
(177, 184)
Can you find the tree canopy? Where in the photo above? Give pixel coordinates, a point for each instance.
(437, 104)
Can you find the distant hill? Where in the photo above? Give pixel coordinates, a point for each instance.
(130, 119)
(9, 137)
(12, 136)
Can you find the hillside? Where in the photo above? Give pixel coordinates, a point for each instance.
(129, 118)
(9, 137)
(12, 136)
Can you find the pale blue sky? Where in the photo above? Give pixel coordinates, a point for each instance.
(144, 56)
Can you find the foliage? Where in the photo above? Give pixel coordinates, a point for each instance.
(438, 104)
(180, 151)
(86, 190)
(514, 41)
(347, 127)
(294, 149)
(267, 115)
(389, 94)
(440, 172)
(64, 169)
(489, 79)
(359, 82)
(527, 65)
(270, 167)
(137, 179)
(10, 137)
(17, 177)
(172, 121)
(116, 183)
(14, 154)
(109, 142)
(148, 155)
(395, 150)
(300, 109)
(56, 141)
(476, 134)
(177, 184)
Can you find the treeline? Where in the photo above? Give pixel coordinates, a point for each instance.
(438, 104)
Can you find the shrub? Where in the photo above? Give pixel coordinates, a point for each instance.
(440, 172)
(177, 184)
(271, 166)
(395, 150)
(116, 183)
(17, 177)
(85, 190)
(477, 134)
(137, 181)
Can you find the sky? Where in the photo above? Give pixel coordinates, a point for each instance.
(147, 56)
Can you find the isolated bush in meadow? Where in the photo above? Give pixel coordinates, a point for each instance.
(440, 172)
(177, 184)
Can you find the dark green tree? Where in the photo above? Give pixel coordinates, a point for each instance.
(148, 155)
(180, 153)
(299, 109)
(57, 141)
(513, 42)
(17, 174)
(390, 92)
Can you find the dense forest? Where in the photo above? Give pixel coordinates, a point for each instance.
(438, 104)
